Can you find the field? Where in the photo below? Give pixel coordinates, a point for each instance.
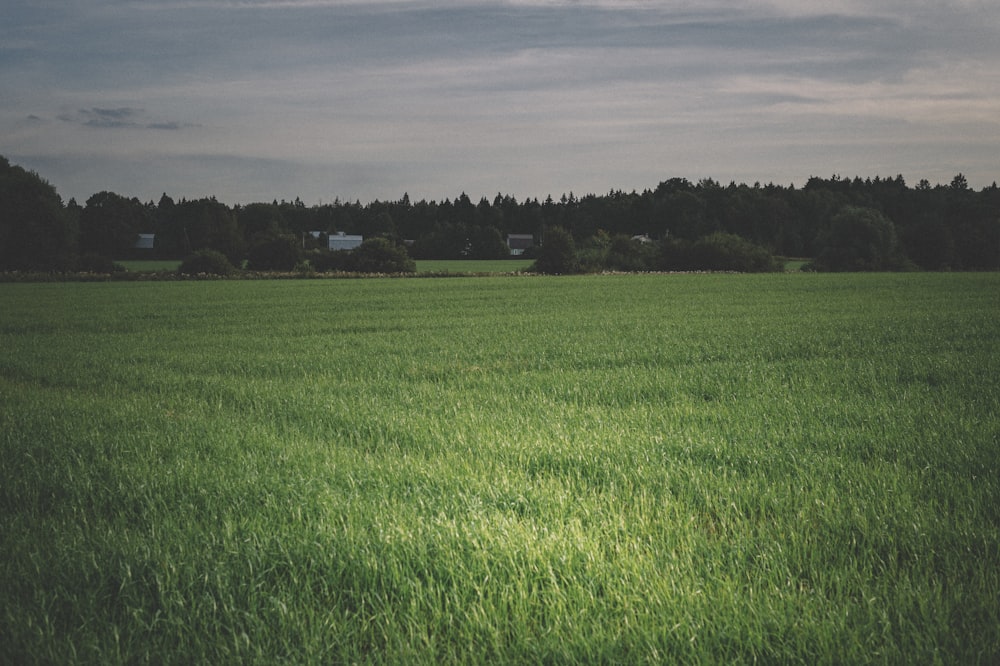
(151, 265)
(789, 468)
(423, 266)
(473, 265)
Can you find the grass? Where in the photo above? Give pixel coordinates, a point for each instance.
(464, 266)
(150, 265)
(793, 264)
(693, 468)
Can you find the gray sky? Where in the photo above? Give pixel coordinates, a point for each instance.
(254, 100)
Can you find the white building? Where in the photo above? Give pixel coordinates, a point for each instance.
(145, 242)
(518, 243)
(342, 241)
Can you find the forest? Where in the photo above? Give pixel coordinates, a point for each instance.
(839, 223)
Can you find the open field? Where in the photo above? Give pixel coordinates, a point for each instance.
(150, 265)
(423, 266)
(789, 468)
(473, 265)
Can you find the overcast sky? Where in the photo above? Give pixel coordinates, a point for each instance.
(254, 100)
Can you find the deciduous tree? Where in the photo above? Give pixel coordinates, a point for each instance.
(36, 231)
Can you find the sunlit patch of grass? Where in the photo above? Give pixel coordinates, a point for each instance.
(783, 468)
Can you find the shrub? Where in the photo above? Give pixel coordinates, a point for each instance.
(627, 254)
(210, 262)
(275, 253)
(326, 261)
(92, 262)
(379, 255)
(557, 254)
(729, 252)
(716, 252)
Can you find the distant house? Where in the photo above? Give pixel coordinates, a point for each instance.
(342, 241)
(518, 243)
(145, 242)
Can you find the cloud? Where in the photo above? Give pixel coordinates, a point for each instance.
(367, 99)
(110, 118)
(123, 117)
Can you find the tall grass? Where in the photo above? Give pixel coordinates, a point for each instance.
(695, 469)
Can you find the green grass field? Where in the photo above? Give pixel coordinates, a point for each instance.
(150, 265)
(789, 468)
(473, 265)
(423, 266)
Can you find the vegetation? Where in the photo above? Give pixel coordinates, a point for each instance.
(472, 266)
(717, 252)
(151, 265)
(844, 224)
(557, 254)
(623, 468)
(379, 255)
(36, 231)
(860, 239)
(207, 262)
(275, 253)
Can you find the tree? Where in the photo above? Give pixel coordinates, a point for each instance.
(626, 254)
(557, 255)
(206, 223)
(206, 261)
(487, 243)
(929, 243)
(729, 252)
(36, 232)
(276, 253)
(259, 220)
(974, 227)
(379, 255)
(110, 225)
(444, 241)
(716, 252)
(859, 239)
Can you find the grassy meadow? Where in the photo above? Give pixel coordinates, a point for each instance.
(439, 266)
(473, 265)
(784, 468)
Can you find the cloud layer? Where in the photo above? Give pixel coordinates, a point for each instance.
(256, 100)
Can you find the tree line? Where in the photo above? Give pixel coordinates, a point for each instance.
(839, 223)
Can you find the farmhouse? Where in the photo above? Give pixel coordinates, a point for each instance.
(518, 243)
(342, 241)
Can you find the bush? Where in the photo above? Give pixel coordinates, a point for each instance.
(210, 262)
(602, 252)
(729, 252)
(97, 263)
(326, 261)
(379, 255)
(717, 252)
(557, 254)
(276, 253)
(626, 254)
